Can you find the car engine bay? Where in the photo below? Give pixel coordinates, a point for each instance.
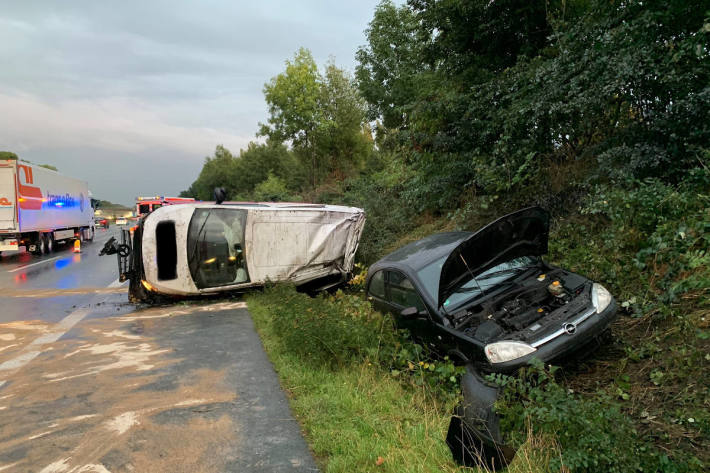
(524, 308)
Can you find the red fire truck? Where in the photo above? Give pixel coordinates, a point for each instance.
(145, 205)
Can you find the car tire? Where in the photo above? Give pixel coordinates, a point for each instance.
(474, 435)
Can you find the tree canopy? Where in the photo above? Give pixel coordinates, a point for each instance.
(321, 115)
(504, 89)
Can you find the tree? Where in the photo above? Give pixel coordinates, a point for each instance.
(272, 189)
(294, 106)
(506, 90)
(389, 64)
(239, 175)
(341, 140)
(322, 116)
(8, 155)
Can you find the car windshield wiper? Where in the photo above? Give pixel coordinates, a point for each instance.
(197, 239)
(517, 269)
(463, 290)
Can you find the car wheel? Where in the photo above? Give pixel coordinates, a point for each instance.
(474, 435)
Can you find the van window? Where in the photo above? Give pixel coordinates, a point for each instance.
(215, 247)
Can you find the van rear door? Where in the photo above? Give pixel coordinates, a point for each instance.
(7, 199)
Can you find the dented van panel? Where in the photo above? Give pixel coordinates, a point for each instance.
(231, 247)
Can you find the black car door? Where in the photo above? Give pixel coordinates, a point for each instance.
(401, 294)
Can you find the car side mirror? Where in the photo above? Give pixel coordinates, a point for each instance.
(409, 312)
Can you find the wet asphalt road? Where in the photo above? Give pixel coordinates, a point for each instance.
(92, 383)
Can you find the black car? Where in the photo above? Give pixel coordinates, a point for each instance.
(488, 300)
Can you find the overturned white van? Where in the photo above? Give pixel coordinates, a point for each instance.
(204, 248)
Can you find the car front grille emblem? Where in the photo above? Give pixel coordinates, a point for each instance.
(569, 328)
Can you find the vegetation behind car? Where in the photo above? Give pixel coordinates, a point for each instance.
(595, 110)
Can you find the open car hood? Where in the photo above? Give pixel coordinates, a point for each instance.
(522, 233)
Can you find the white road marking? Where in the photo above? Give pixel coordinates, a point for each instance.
(34, 264)
(31, 351)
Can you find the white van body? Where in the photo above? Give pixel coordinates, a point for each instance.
(280, 242)
(37, 203)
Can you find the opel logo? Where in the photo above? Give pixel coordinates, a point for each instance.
(569, 328)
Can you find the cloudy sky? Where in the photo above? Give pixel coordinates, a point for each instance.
(132, 95)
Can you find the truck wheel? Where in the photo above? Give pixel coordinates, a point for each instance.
(91, 234)
(42, 244)
(50, 243)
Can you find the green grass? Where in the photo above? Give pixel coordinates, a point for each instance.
(356, 415)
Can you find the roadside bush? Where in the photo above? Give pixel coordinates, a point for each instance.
(327, 331)
(593, 433)
(388, 214)
(342, 330)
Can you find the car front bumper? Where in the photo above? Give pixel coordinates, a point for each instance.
(565, 343)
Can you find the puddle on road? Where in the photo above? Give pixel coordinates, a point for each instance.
(107, 402)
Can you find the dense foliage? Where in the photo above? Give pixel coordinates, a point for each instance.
(463, 110)
(507, 89)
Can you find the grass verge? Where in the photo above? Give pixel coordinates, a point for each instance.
(369, 407)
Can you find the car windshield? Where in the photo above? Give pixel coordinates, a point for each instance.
(472, 288)
(215, 247)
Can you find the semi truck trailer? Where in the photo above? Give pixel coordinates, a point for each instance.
(40, 208)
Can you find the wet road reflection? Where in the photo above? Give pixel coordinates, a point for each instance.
(49, 287)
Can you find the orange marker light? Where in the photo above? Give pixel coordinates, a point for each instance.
(146, 285)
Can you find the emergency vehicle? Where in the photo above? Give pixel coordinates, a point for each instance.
(145, 205)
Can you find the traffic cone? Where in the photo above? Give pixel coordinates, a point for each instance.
(77, 246)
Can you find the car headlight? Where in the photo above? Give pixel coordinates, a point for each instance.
(500, 352)
(601, 298)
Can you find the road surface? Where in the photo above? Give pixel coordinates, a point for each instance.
(92, 383)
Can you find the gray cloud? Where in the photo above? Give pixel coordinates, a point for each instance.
(93, 83)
